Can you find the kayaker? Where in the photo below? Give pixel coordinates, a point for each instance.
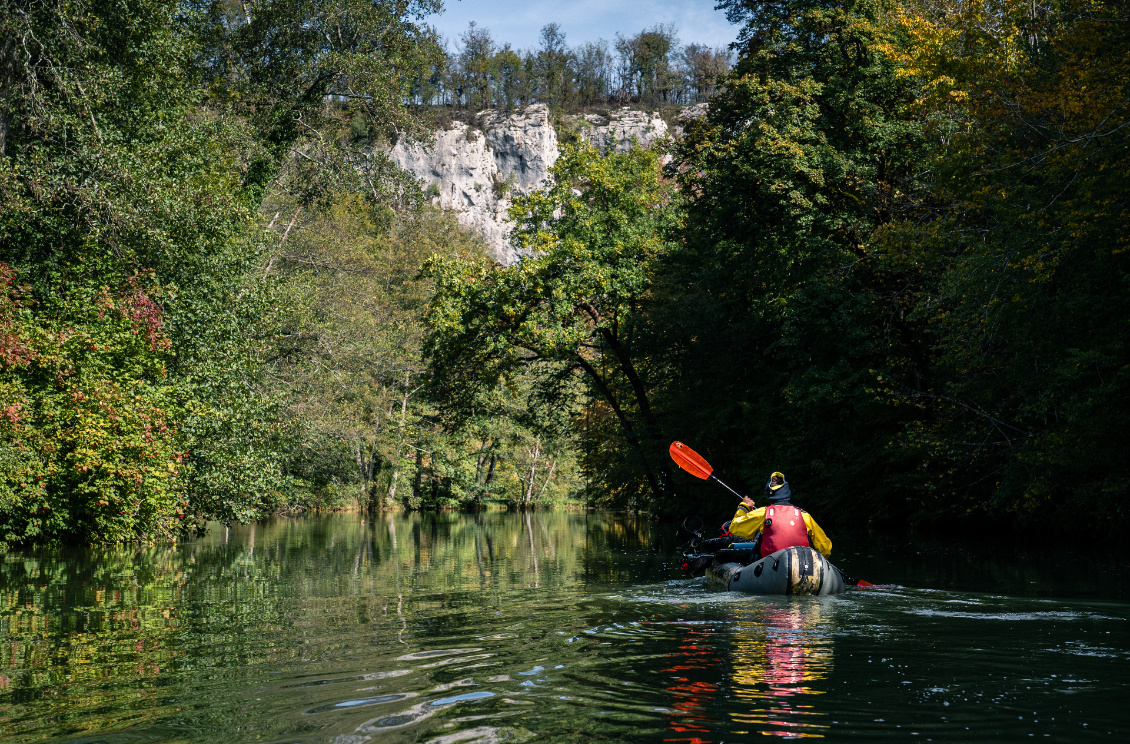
(781, 524)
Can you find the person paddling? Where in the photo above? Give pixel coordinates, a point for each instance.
(779, 525)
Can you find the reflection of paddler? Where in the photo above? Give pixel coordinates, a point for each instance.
(695, 657)
(777, 655)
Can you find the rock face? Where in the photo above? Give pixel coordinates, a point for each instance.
(524, 144)
(474, 170)
(617, 130)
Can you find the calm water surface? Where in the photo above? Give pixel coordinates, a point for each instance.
(547, 627)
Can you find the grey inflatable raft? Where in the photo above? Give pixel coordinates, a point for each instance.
(796, 570)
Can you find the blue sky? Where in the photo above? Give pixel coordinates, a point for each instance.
(519, 22)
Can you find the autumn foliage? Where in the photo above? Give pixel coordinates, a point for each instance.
(84, 422)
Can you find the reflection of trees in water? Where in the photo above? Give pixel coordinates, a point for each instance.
(80, 628)
(780, 649)
(609, 538)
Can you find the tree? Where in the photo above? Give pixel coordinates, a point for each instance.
(110, 174)
(1031, 391)
(553, 63)
(513, 87)
(349, 360)
(477, 63)
(804, 163)
(573, 303)
(645, 63)
(594, 71)
(111, 171)
(85, 414)
(702, 68)
(278, 62)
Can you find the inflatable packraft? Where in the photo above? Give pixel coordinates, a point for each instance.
(796, 570)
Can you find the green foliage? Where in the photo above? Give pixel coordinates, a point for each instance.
(805, 159)
(84, 416)
(350, 365)
(890, 262)
(348, 358)
(276, 63)
(573, 304)
(349, 362)
(902, 279)
(906, 263)
(137, 140)
(112, 175)
(1032, 393)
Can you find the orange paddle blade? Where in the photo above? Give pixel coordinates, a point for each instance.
(690, 461)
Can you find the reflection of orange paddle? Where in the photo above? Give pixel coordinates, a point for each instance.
(693, 463)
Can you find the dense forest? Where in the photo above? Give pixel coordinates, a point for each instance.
(891, 262)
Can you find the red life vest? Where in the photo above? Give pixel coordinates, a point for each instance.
(784, 528)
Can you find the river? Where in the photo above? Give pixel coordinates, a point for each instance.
(552, 626)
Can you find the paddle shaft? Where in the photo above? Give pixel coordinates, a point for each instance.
(714, 478)
(852, 582)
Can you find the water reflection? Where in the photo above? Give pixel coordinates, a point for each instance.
(91, 635)
(692, 697)
(513, 627)
(782, 651)
(758, 672)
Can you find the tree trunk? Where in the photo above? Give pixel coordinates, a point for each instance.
(490, 469)
(7, 73)
(399, 444)
(529, 495)
(361, 470)
(626, 424)
(651, 426)
(652, 441)
(480, 460)
(548, 478)
(418, 481)
(369, 465)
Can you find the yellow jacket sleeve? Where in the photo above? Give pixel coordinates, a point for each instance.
(747, 523)
(819, 540)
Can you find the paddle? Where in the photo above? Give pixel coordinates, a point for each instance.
(692, 462)
(853, 582)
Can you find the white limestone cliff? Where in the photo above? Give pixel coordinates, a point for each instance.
(618, 129)
(474, 170)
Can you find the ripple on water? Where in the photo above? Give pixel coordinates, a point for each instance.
(362, 702)
(1010, 616)
(484, 735)
(1078, 648)
(420, 655)
(417, 713)
(355, 678)
(456, 660)
(583, 658)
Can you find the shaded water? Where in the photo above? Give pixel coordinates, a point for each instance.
(552, 626)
